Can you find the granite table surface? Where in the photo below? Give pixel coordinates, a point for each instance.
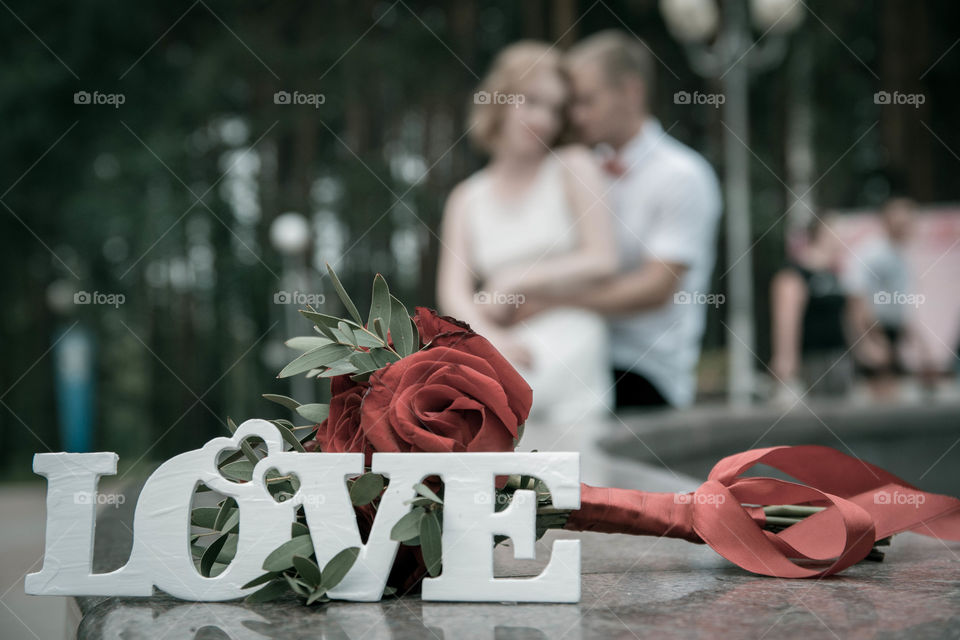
(631, 587)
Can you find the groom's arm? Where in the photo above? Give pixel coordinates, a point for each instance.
(640, 289)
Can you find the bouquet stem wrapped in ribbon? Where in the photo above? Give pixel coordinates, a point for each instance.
(434, 385)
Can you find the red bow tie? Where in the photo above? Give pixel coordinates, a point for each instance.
(614, 166)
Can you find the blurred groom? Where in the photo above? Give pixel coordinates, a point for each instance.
(665, 202)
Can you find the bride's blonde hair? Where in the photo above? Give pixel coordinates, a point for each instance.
(507, 75)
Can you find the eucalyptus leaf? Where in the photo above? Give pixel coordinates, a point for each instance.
(289, 436)
(241, 470)
(426, 492)
(204, 517)
(342, 293)
(430, 542)
(271, 591)
(267, 577)
(283, 401)
(227, 507)
(281, 558)
(322, 323)
(210, 555)
(316, 358)
(344, 329)
(401, 328)
(366, 489)
(379, 307)
(318, 594)
(408, 526)
(244, 445)
(308, 570)
(232, 523)
(299, 529)
(299, 586)
(338, 567)
(338, 369)
(229, 550)
(306, 343)
(314, 412)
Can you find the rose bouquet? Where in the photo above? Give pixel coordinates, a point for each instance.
(431, 384)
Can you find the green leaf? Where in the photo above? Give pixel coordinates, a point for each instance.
(229, 550)
(267, 577)
(281, 558)
(299, 586)
(322, 323)
(425, 491)
(367, 361)
(232, 523)
(246, 448)
(379, 328)
(338, 567)
(430, 544)
(379, 307)
(401, 328)
(283, 401)
(339, 369)
(344, 329)
(366, 489)
(299, 529)
(241, 470)
(271, 591)
(314, 412)
(316, 358)
(306, 343)
(228, 506)
(342, 293)
(318, 594)
(308, 570)
(289, 436)
(204, 517)
(210, 555)
(408, 526)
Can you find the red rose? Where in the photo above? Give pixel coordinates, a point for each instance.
(457, 394)
(340, 432)
(430, 324)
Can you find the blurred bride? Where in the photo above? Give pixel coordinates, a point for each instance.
(532, 220)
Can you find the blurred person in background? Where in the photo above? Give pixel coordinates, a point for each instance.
(882, 296)
(665, 202)
(809, 310)
(531, 222)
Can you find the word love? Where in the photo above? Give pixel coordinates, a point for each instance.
(161, 553)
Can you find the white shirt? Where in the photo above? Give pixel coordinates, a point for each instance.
(882, 276)
(666, 206)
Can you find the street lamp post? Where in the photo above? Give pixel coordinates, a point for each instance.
(290, 236)
(729, 59)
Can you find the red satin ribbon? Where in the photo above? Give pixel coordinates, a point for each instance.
(863, 504)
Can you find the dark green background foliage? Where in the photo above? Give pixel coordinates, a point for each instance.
(106, 199)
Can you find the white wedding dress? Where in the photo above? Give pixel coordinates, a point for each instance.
(570, 375)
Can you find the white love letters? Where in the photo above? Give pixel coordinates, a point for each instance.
(161, 553)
